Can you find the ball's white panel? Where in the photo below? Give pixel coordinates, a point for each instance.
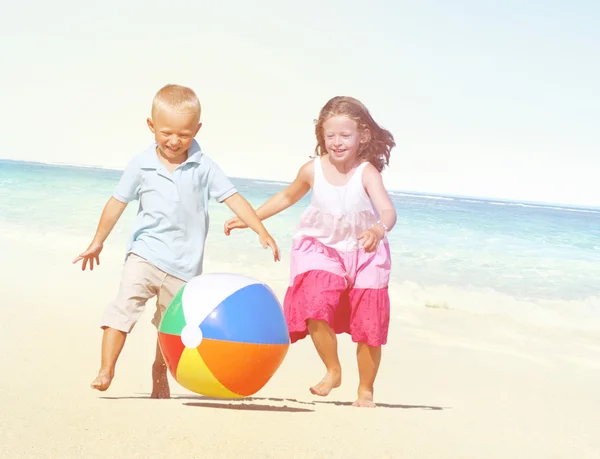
(191, 336)
(203, 293)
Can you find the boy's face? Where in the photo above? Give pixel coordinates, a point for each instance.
(173, 131)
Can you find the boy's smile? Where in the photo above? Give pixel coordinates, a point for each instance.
(174, 132)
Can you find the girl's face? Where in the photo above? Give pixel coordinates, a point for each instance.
(343, 138)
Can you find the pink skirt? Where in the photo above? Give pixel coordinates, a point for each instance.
(349, 291)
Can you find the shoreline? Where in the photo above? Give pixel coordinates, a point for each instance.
(562, 315)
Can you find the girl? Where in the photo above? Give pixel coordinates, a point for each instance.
(340, 260)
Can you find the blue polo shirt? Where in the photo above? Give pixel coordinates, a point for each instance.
(172, 220)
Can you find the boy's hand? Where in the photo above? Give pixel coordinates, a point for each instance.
(92, 253)
(371, 238)
(233, 223)
(267, 241)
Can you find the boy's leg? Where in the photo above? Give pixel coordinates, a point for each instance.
(368, 358)
(112, 343)
(325, 342)
(160, 382)
(135, 290)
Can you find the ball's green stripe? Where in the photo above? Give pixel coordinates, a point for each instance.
(173, 320)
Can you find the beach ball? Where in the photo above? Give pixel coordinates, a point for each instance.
(223, 335)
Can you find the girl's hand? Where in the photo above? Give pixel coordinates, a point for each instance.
(233, 223)
(371, 238)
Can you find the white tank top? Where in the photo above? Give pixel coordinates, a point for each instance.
(337, 215)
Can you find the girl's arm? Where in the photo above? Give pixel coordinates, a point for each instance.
(279, 201)
(290, 195)
(373, 183)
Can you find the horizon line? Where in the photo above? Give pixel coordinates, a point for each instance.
(405, 191)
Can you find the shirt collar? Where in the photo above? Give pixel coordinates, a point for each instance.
(194, 153)
(150, 159)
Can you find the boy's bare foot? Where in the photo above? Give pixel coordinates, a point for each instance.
(331, 380)
(102, 381)
(160, 383)
(365, 399)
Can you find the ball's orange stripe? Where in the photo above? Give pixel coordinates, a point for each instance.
(242, 368)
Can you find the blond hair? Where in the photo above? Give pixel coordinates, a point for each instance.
(178, 98)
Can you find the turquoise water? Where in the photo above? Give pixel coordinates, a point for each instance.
(448, 252)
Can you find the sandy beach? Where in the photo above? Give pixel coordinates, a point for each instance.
(452, 384)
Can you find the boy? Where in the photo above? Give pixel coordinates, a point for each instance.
(173, 181)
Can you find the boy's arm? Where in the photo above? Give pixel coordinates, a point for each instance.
(242, 208)
(110, 215)
(127, 190)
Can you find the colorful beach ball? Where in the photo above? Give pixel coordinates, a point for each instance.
(224, 335)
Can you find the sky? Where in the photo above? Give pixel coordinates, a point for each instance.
(486, 98)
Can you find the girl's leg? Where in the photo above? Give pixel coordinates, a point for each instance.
(368, 358)
(370, 305)
(325, 342)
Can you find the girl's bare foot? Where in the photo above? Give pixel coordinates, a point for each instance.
(365, 399)
(331, 380)
(160, 382)
(102, 381)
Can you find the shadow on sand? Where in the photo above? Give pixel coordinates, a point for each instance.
(246, 403)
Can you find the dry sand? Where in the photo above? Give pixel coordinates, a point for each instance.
(452, 385)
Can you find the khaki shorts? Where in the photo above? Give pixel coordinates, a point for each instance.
(141, 280)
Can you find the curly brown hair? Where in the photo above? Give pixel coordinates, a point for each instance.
(376, 150)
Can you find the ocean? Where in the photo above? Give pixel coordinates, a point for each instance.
(530, 262)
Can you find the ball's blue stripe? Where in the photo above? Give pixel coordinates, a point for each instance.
(250, 315)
